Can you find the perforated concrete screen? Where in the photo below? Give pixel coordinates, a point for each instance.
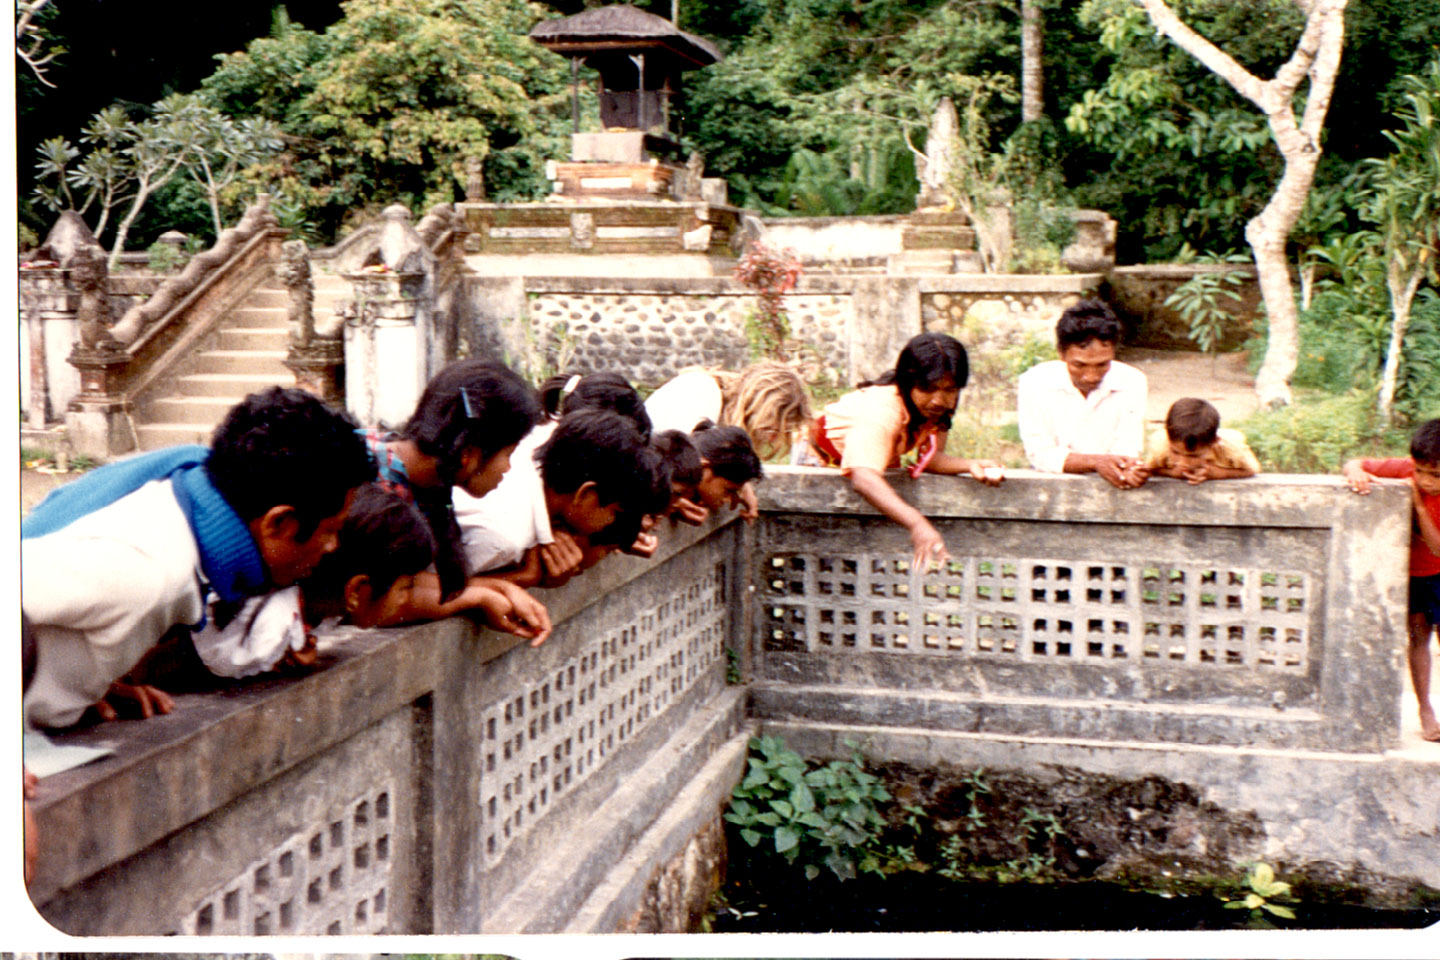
(332, 878)
(1039, 609)
(553, 732)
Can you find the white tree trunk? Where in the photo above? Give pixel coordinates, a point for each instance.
(1032, 60)
(1402, 295)
(1316, 58)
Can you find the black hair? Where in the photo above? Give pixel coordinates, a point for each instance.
(283, 446)
(655, 475)
(1192, 422)
(925, 361)
(598, 446)
(471, 404)
(1087, 320)
(728, 453)
(598, 391)
(675, 448)
(384, 537)
(1425, 442)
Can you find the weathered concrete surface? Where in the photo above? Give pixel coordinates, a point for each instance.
(262, 807)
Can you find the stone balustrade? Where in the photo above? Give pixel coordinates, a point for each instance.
(1244, 637)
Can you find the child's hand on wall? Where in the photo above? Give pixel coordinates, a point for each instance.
(989, 472)
(749, 503)
(1357, 479)
(130, 698)
(561, 558)
(509, 608)
(690, 511)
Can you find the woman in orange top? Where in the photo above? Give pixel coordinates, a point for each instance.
(909, 408)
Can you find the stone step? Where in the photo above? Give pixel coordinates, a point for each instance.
(229, 385)
(253, 316)
(153, 436)
(253, 362)
(254, 338)
(188, 410)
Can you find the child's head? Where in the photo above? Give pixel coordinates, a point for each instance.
(728, 462)
(592, 468)
(683, 460)
(1192, 424)
(570, 393)
(469, 419)
(287, 464)
(768, 401)
(930, 372)
(652, 500)
(384, 542)
(1086, 337)
(1425, 451)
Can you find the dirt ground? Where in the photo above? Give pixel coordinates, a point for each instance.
(1224, 381)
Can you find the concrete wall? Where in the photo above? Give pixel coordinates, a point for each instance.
(425, 779)
(845, 328)
(1245, 637)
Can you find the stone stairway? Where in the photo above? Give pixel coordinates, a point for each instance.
(246, 354)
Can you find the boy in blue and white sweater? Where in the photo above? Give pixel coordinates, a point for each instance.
(113, 561)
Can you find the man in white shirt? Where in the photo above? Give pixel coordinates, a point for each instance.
(1085, 412)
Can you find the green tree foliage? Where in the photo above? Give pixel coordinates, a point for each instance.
(389, 102)
(842, 82)
(1404, 203)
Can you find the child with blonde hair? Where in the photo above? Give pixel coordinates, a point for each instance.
(766, 399)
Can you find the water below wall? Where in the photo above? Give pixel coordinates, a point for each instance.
(781, 902)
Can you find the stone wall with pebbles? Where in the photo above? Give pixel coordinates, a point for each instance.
(1005, 317)
(651, 336)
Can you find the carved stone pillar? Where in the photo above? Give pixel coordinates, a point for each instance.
(64, 298)
(388, 336)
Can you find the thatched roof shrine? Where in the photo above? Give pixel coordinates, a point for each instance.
(623, 28)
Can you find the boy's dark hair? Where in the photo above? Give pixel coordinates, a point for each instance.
(1192, 422)
(655, 474)
(385, 537)
(1087, 320)
(598, 446)
(285, 446)
(728, 453)
(923, 362)
(675, 449)
(471, 404)
(1425, 442)
(598, 391)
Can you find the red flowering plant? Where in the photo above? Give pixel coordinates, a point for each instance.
(771, 273)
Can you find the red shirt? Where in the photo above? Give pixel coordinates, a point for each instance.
(1423, 563)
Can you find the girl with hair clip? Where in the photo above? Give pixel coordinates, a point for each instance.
(767, 400)
(908, 408)
(461, 436)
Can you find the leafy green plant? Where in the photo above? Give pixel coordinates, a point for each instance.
(164, 257)
(733, 675)
(1207, 300)
(825, 816)
(1260, 899)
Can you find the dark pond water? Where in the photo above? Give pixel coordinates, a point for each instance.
(783, 902)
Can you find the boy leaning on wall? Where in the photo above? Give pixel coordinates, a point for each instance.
(111, 562)
(1422, 469)
(1194, 447)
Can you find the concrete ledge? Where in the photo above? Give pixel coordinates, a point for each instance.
(1189, 724)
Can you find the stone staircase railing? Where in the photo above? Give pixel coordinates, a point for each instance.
(133, 358)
